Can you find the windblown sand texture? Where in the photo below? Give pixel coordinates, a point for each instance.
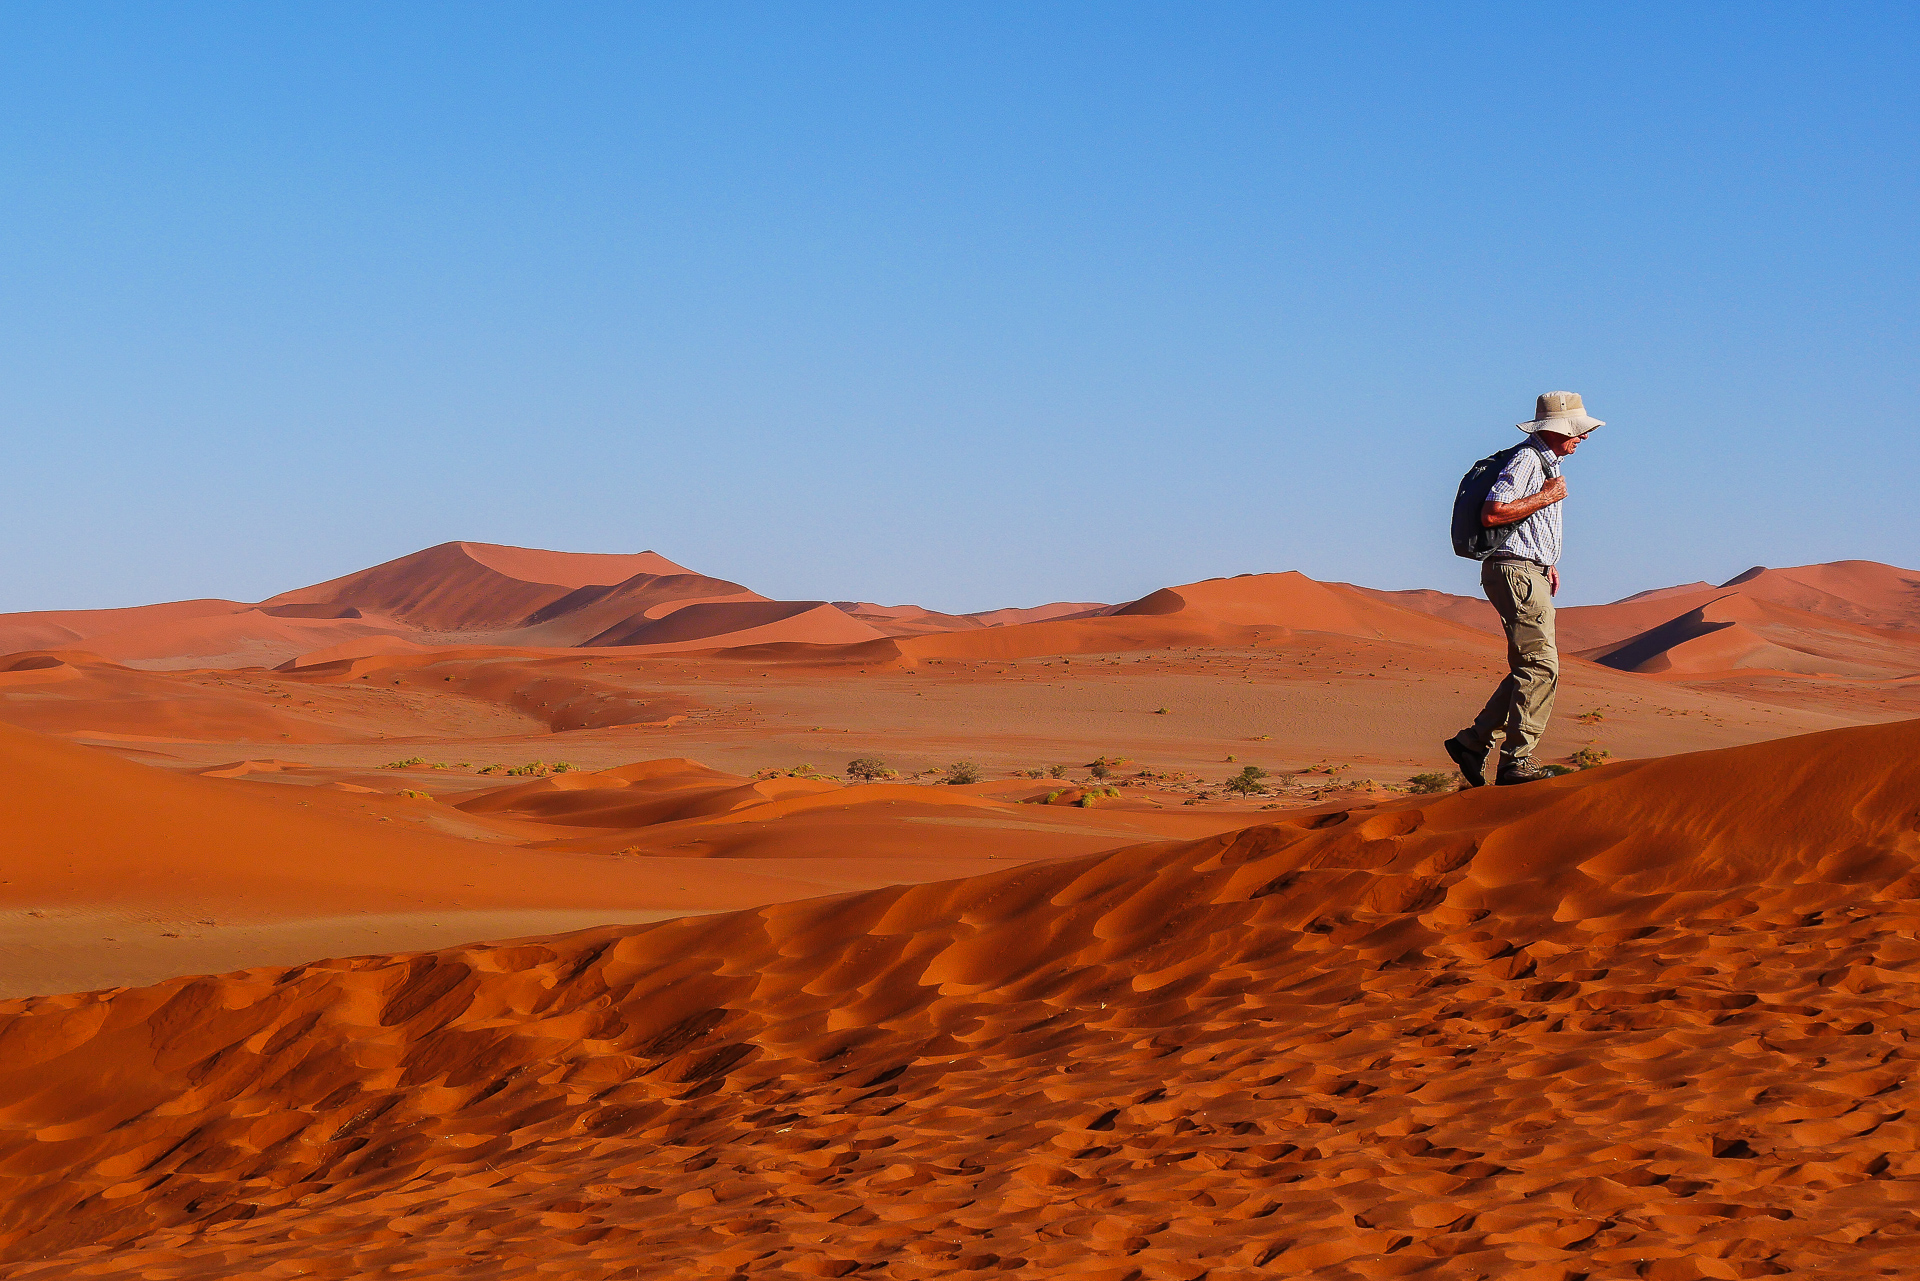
(1652, 1020)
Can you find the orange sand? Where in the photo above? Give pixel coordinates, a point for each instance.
(1652, 1020)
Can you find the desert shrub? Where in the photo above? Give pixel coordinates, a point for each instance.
(537, 769)
(410, 794)
(793, 771)
(1100, 769)
(1248, 781)
(1588, 757)
(867, 769)
(963, 772)
(1159, 711)
(402, 764)
(1056, 771)
(1092, 794)
(1434, 783)
(1593, 717)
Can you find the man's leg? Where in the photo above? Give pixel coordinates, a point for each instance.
(1470, 746)
(1533, 658)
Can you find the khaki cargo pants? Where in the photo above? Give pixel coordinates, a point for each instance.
(1521, 706)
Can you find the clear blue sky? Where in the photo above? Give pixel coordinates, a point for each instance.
(964, 304)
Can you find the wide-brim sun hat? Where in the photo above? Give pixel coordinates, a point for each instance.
(1563, 413)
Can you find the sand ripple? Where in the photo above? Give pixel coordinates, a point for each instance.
(1648, 1021)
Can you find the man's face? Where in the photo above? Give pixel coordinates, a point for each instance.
(1561, 445)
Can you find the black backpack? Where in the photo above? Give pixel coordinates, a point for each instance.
(1470, 538)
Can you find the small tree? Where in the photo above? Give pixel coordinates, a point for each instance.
(1432, 784)
(867, 769)
(1248, 781)
(1100, 769)
(962, 772)
(1056, 771)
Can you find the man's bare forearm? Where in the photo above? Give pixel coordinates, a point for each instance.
(1492, 513)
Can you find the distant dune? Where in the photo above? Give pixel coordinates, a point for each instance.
(467, 594)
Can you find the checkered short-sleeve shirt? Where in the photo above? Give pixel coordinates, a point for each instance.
(1537, 538)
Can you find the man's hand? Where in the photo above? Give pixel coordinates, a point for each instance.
(1553, 491)
(1553, 581)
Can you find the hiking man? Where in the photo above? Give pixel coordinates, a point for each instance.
(1521, 580)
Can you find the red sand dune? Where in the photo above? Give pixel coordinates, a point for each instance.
(1736, 631)
(1244, 610)
(458, 587)
(88, 829)
(1852, 591)
(1652, 1020)
(61, 629)
(682, 809)
(1855, 591)
(714, 625)
(580, 615)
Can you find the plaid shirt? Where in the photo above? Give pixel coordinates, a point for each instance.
(1537, 538)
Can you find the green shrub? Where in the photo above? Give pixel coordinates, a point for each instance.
(1056, 771)
(867, 769)
(1248, 781)
(962, 772)
(1100, 769)
(1588, 757)
(535, 769)
(402, 764)
(1433, 783)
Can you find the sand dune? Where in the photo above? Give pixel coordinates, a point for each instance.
(474, 586)
(1246, 610)
(103, 850)
(1736, 631)
(1855, 591)
(61, 629)
(580, 615)
(913, 620)
(716, 625)
(1653, 1020)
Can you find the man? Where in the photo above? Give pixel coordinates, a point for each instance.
(1521, 580)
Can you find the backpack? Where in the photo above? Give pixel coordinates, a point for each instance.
(1471, 539)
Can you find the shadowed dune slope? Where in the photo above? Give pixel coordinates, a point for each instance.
(1650, 1020)
(589, 611)
(474, 586)
(756, 622)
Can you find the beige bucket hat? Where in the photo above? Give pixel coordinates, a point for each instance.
(1561, 412)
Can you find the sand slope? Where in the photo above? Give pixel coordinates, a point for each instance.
(718, 625)
(1653, 1020)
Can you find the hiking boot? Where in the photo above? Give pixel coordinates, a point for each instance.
(1524, 770)
(1473, 767)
